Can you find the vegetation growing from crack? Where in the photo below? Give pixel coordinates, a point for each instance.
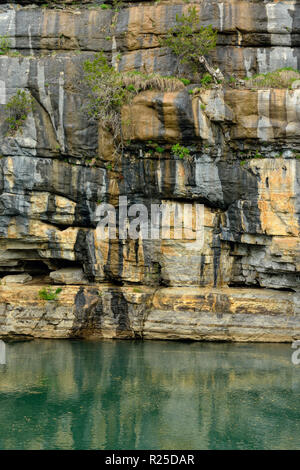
(180, 151)
(190, 42)
(116, 5)
(256, 156)
(5, 45)
(109, 90)
(17, 109)
(47, 293)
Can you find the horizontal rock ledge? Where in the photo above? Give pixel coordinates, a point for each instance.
(140, 312)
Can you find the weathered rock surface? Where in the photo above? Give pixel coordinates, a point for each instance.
(172, 313)
(244, 167)
(17, 279)
(254, 36)
(69, 276)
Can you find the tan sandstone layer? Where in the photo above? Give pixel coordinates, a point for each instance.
(193, 313)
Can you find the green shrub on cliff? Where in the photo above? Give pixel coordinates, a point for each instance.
(108, 93)
(49, 294)
(206, 79)
(189, 41)
(18, 108)
(180, 151)
(5, 45)
(109, 90)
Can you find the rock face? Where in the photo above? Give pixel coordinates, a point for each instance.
(17, 279)
(243, 284)
(68, 276)
(254, 36)
(134, 313)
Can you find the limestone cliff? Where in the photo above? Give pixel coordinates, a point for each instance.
(243, 166)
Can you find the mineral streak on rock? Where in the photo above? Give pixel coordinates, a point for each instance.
(244, 283)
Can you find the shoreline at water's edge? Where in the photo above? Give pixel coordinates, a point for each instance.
(140, 312)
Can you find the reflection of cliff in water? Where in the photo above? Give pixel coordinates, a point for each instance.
(159, 395)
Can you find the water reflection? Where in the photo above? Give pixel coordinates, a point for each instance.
(148, 395)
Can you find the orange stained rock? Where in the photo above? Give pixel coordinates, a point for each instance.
(54, 20)
(171, 127)
(277, 196)
(152, 125)
(148, 124)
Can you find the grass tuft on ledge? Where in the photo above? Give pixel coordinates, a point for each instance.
(142, 82)
(281, 78)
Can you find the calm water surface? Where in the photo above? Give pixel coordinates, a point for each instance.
(149, 395)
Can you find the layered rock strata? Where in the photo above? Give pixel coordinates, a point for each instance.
(194, 313)
(244, 167)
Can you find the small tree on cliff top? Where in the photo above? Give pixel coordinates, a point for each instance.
(191, 42)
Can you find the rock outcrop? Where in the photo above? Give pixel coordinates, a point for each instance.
(243, 284)
(180, 313)
(254, 36)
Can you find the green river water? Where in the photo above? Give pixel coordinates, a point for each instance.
(149, 395)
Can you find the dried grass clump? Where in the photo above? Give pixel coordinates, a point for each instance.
(142, 82)
(281, 78)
